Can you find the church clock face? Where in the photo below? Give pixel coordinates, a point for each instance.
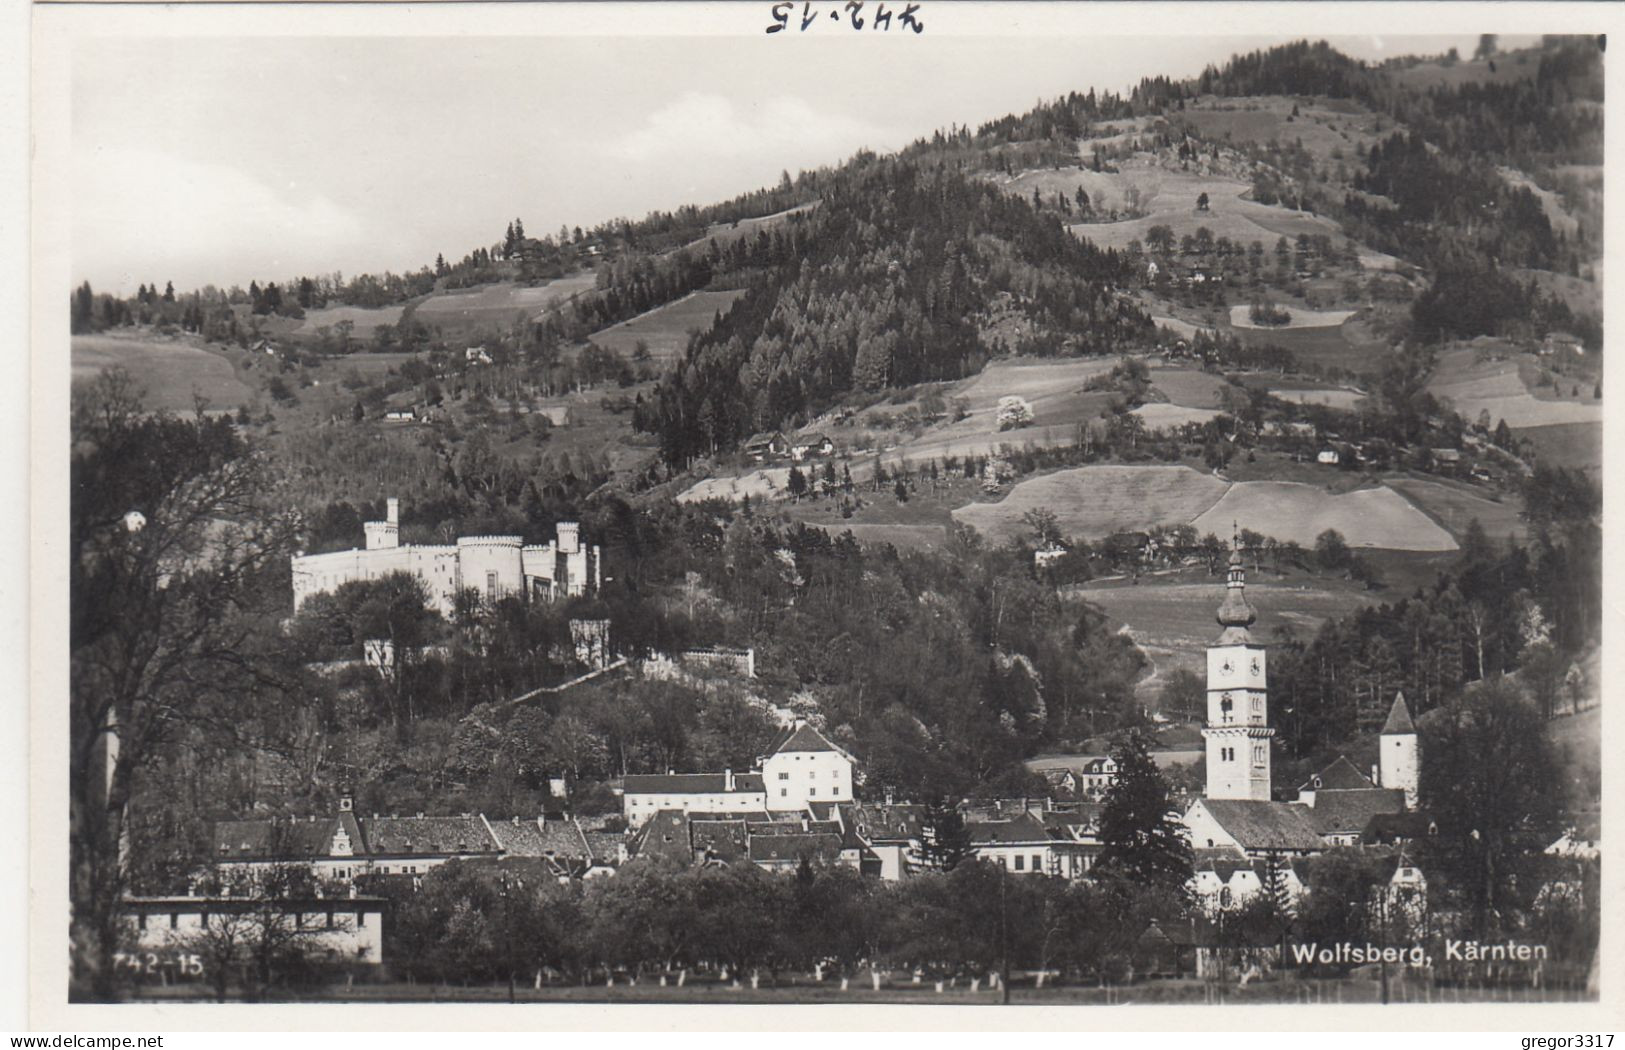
(1227, 667)
(1254, 669)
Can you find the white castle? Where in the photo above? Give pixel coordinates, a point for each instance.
(494, 566)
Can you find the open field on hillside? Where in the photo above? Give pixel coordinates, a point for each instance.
(1455, 505)
(1097, 501)
(724, 233)
(767, 483)
(1054, 389)
(1581, 295)
(1472, 386)
(1509, 68)
(1562, 222)
(1240, 317)
(1325, 347)
(903, 537)
(1567, 444)
(1344, 399)
(1322, 126)
(1159, 415)
(1183, 329)
(499, 304)
(1189, 386)
(364, 319)
(1289, 510)
(168, 370)
(1173, 621)
(664, 330)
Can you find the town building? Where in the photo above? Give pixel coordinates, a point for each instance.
(801, 766)
(644, 795)
(176, 928)
(492, 566)
(345, 847)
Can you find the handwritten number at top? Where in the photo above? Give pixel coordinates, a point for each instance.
(882, 19)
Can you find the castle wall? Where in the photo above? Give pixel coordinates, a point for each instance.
(491, 565)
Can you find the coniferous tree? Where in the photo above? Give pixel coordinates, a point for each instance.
(945, 841)
(1143, 839)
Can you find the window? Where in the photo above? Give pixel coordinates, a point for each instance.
(490, 586)
(1020, 860)
(811, 773)
(836, 791)
(811, 792)
(330, 918)
(783, 792)
(1038, 862)
(143, 920)
(174, 920)
(784, 776)
(360, 919)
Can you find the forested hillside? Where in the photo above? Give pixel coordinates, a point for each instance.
(884, 287)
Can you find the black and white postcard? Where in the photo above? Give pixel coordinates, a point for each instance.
(866, 504)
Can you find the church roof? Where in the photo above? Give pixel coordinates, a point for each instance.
(1349, 812)
(1399, 718)
(1259, 825)
(1341, 775)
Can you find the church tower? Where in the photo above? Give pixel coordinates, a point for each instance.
(1238, 733)
(1398, 763)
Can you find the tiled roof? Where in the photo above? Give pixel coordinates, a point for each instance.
(723, 840)
(793, 827)
(1384, 828)
(690, 783)
(664, 835)
(604, 846)
(412, 836)
(283, 838)
(540, 838)
(1257, 825)
(1399, 717)
(518, 837)
(788, 848)
(881, 823)
(1348, 812)
(801, 737)
(1341, 775)
(1021, 829)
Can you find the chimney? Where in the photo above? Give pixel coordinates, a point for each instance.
(727, 780)
(804, 825)
(889, 795)
(1376, 774)
(394, 514)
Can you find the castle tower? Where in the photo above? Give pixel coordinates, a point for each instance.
(385, 534)
(1237, 733)
(1399, 764)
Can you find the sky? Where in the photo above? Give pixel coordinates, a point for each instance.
(220, 160)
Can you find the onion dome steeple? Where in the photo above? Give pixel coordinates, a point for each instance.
(1236, 614)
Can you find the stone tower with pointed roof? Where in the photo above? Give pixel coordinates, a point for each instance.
(1399, 763)
(1238, 732)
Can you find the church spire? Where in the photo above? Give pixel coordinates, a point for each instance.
(1236, 614)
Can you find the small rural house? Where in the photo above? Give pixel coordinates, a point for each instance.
(812, 446)
(766, 445)
(477, 355)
